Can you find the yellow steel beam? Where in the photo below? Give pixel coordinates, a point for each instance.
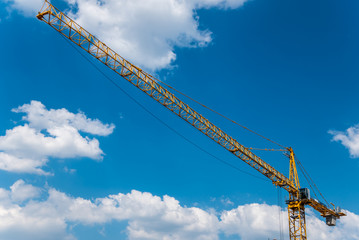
(70, 29)
(296, 217)
(323, 209)
(145, 82)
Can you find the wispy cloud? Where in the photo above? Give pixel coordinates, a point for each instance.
(27, 7)
(349, 139)
(53, 133)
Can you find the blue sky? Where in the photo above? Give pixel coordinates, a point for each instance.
(286, 69)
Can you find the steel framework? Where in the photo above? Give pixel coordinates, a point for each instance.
(149, 85)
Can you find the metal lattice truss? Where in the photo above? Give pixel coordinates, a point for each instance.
(296, 216)
(149, 85)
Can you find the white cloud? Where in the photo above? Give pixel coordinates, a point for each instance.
(145, 32)
(20, 191)
(149, 217)
(69, 170)
(53, 133)
(349, 138)
(25, 221)
(27, 7)
(12, 163)
(261, 221)
(40, 118)
(62, 142)
(253, 221)
(232, 4)
(346, 229)
(226, 201)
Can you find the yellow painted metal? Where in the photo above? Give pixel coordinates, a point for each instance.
(322, 209)
(296, 205)
(293, 174)
(296, 217)
(70, 29)
(145, 82)
(296, 209)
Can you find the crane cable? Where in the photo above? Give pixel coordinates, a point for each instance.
(306, 177)
(210, 109)
(280, 202)
(242, 126)
(269, 149)
(305, 173)
(194, 144)
(157, 118)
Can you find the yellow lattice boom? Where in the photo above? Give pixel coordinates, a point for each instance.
(149, 85)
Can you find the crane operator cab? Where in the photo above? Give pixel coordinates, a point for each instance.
(304, 193)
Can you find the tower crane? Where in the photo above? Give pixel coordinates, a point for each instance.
(299, 197)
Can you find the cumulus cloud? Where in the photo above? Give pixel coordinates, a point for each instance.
(349, 139)
(260, 221)
(252, 221)
(22, 220)
(53, 133)
(20, 191)
(148, 217)
(145, 32)
(12, 163)
(40, 118)
(347, 228)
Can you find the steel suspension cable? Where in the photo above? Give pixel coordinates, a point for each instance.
(214, 111)
(157, 118)
(305, 171)
(279, 195)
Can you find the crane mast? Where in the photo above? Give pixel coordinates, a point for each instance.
(149, 85)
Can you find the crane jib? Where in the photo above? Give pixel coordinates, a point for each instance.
(146, 83)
